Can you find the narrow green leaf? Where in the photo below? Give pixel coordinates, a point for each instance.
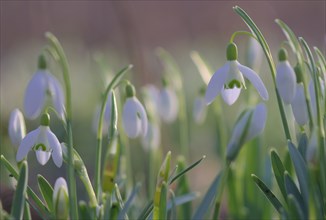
(146, 211)
(163, 201)
(46, 191)
(83, 211)
(107, 206)
(303, 144)
(186, 170)
(128, 203)
(268, 193)
(180, 200)
(301, 172)
(208, 199)
(321, 59)
(294, 208)
(279, 170)
(173, 206)
(292, 189)
(17, 209)
(120, 201)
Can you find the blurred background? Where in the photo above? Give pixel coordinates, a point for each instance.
(105, 36)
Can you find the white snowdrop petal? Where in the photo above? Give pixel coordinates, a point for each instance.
(199, 110)
(54, 144)
(230, 95)
(216, 83)
(258, 121)
(57, 95)
(130, 120)
(35, 95)
(59, 183)
(255, 80)
(42, 156)
(143, 116)
(299, 107)
(26, 145)
(286, 81)
(16, 128)
(168, 108)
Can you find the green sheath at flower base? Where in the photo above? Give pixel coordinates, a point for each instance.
(45, 119)
(282, 55)
(42, 62)
(232, 52)
(298, 73)
(162, 177)
(130, 90)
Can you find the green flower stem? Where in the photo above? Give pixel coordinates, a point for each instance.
(71, 176)
(241, 33)
(220, 190)
(98, 161)
(270, 61)
(320, 125)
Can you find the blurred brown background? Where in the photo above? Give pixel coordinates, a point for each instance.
(128, 32)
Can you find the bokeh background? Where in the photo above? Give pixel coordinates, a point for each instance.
(104, 36)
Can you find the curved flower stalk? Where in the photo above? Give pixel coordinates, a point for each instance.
(285, 78)
(42, 87)
(43, 142)
(60, 199)
(134, 118)
(229, 79)
(16, 128)
(249, 125)
(168, 103)
(199, 108)
(107, 116)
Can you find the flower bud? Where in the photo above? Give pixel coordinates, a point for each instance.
(17, 128)
(60, 199)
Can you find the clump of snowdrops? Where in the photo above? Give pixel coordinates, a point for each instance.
(299, 172)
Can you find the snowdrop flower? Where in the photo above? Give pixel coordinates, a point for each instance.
(285, 78)
(199, 108)
(43, 86)
(229, 79)
(254, 54)
(134, 118)
(168, 103)
(17, 128)
(60, 199)
(249, 125)
(43, 142)
(107, 116)
(298, 104)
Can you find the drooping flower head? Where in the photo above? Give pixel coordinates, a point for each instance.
(298, 104)
(16, 128)
(43, 142)
(134, 118)
(168, 103)
(61, 199)
(285, 78)
(43, 87)
(229, 79)
(249, 125)
(200, 109)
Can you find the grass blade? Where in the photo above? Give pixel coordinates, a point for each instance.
(303, 144)
(268, 193)
(279, 170)
(294, 208)
(46, 191)
(17, 210)
(127, 205)
(208, 199)
(163, 201)
(301, 172)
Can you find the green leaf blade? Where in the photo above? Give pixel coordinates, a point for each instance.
(279, 170)
(17, 210)
(46, 191)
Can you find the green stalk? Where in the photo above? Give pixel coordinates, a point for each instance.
(220, 190)
(71, 176)
(115, 81)
(270, 61)
(320, 125)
